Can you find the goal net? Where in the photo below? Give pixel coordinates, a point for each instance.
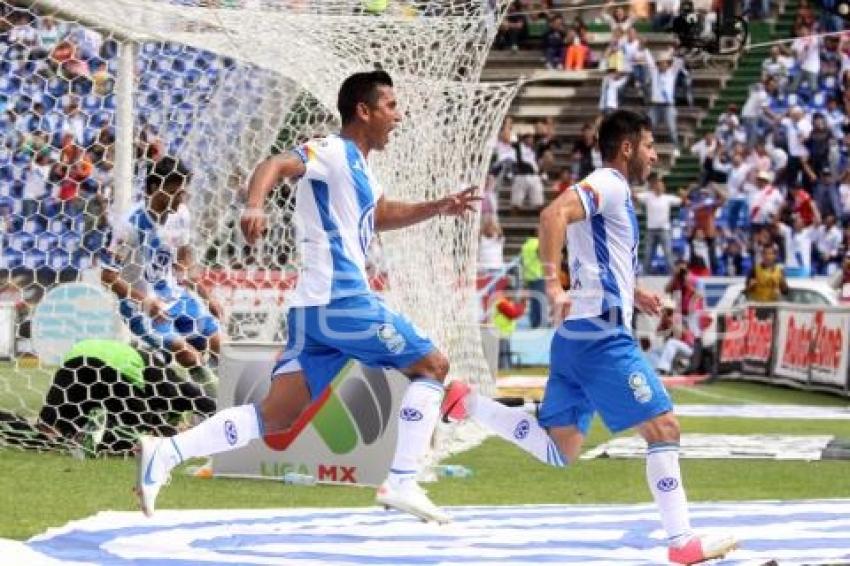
(98, 92)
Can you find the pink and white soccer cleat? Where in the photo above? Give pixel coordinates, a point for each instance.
(701, 548)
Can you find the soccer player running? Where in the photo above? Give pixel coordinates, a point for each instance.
(595, 362)
(333, 314)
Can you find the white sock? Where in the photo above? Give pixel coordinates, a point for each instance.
(665, 483)
(226, 430)
(516, 426)
(418, 415)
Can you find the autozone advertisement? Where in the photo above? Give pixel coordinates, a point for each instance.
(814, 347)
(746, 340)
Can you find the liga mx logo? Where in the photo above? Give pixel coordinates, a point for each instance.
(353, 409)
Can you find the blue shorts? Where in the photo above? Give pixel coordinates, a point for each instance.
(188, 318)
(323, 339)
(596, 365)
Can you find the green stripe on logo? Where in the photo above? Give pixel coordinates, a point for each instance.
(333, 423)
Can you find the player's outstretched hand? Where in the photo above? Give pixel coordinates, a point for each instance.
(559, 302)
(460, 203)
(253, 224)
(647, 302)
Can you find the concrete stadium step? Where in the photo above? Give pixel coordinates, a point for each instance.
(522, 111)
(539, 94)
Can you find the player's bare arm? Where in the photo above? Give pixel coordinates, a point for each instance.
(188, 275)
(265, 177)
(554, 219)
(149, 304)
(392, 215)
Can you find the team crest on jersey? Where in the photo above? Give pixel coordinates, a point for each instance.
(640, 387)
(158, 266)
(390, 337)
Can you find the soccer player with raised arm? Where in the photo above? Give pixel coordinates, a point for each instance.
(595, 362)
(333, 315)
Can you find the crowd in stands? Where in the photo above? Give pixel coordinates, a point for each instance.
(775, 172)
(57, 131)
(773, 190)
(56, 151)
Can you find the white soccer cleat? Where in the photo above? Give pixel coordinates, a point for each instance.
(410, 498)
(148, 483)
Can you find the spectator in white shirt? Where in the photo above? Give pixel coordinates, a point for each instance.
(736, 188)
(766, 203)
(835, 117)
(527, 181)
(799, 258)
(633, 54)
(491, 248)
(729, 130)
(797, 131)
(806, 49)
(612, 83)
(22, 33)
(776, 67)
(705, 150)
(662, 80)
(618, 18)
(756, 111)
(504, 154)
(760, 158)
(665, 11)
(75, 122)
(35, 187)
(829, 245)
(658, 206)
(844, 193)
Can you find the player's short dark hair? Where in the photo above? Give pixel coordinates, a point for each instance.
(167, 171)
(360, 88)
(618, 126)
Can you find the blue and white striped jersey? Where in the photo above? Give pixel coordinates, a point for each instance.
(334, 221)
(602, 248)
(144, 251)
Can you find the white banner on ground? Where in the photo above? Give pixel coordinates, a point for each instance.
(349, 439)
(784, 412)
(722, 446)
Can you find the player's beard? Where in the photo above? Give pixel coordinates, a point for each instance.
(637, 171)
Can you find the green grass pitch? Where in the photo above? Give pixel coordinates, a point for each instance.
(38, 491)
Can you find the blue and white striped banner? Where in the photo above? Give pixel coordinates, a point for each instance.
(801, 532)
